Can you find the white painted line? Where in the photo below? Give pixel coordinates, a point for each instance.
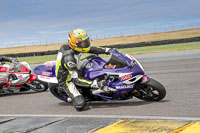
(105, 116)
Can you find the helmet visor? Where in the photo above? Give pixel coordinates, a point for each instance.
(84, 44)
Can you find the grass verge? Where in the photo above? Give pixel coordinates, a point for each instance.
(162, 48)
(180, 34)
(133, 51)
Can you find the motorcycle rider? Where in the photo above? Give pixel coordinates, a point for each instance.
(5, 59)
(66, 68)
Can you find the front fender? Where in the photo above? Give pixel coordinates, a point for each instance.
(145, 79)
(32, 78)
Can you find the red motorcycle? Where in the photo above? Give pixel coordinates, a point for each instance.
(17, 77)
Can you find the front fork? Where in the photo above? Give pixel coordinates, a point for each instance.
(144, 80)
(29, 82)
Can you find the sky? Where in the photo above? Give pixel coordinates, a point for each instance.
(30, 22)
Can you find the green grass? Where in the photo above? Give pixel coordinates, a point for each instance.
(162, 48)
(137, 50)
(38, 59)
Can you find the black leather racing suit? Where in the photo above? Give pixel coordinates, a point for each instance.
(67, 73)
(4, 58)
(7, 59)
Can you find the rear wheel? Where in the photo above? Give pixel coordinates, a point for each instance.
(60, 94)
(150, 91)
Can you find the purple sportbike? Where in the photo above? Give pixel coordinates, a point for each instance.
(123, 74)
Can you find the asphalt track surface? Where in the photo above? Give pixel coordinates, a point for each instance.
(179, 72)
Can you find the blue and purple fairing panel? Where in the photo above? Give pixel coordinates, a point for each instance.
(45, 70)
(96, 71)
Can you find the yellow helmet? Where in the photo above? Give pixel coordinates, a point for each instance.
(79, 40)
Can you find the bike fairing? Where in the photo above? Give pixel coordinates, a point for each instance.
(127, 73)
(19, 78)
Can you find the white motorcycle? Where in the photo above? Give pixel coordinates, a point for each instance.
(17, 77)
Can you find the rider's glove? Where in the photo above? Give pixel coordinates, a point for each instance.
(109, 50)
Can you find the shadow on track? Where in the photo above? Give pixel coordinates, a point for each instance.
(21, 93)
(113, 104)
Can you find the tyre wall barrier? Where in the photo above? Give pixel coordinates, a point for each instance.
(32, 54)
(155, 43)
(118, 46)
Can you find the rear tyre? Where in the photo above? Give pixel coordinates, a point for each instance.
(150, 91)
(54, 89)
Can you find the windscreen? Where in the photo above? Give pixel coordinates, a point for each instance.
(115, 62)
(15, 67)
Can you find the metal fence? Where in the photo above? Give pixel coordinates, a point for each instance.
(139, 31)
(109, 34)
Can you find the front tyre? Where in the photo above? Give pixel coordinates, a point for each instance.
(150, 91)
(39, 86)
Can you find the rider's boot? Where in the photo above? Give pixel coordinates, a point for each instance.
(74, 95)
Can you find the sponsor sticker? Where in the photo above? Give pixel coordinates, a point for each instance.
(124, 86)
(44, 77)
(20, 77)
(85, 35)
(3, 69)
(110, 66)
(126, 77)
(46, 73)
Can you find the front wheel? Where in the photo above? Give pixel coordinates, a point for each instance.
(39, 85)
(150, 91)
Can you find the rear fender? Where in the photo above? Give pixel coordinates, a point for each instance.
(48, 79)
